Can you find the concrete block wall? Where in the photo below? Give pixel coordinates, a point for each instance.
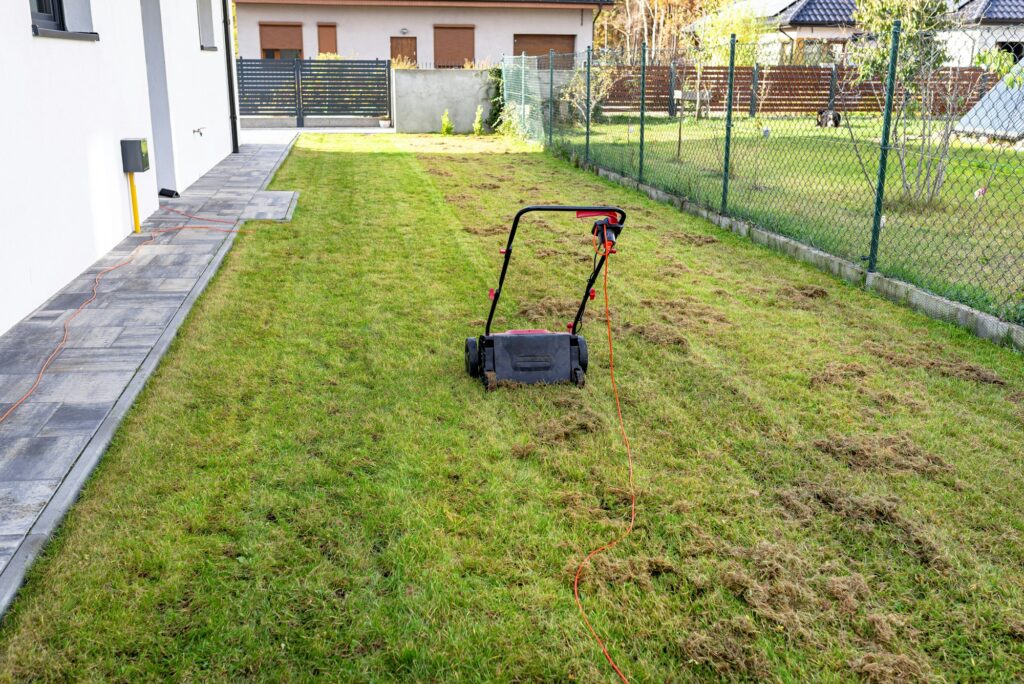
(420, 97)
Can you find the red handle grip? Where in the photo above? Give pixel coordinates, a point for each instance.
(611, 215)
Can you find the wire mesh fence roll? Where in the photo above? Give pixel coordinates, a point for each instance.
(933, 198)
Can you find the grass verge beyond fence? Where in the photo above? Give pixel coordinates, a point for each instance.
(921, 181)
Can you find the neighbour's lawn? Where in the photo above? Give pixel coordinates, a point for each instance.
(829, 485)
(816, 185)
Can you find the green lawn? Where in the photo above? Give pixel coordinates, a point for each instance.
(829, 485)
(816, 185)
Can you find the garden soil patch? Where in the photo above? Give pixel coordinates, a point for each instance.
(961, 370)
(892, 453)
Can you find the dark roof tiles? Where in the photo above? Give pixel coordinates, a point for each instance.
(818, 13)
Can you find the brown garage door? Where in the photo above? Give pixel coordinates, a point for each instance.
(403, 49)
(281, 41)
(453, 46)
(536, 44)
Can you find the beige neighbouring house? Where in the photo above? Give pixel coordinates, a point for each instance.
(432, 33)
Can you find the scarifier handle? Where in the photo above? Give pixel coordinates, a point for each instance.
(613, 215)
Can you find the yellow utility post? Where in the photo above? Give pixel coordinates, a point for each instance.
(135, 159)
(135, 202)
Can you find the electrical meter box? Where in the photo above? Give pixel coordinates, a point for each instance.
(135, 155)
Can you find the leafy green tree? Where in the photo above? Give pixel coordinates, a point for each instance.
(928, 103)
(922, 48)
(718, 26)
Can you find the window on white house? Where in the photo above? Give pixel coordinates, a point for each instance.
(47, 14)
(63, 19)
(207, 38)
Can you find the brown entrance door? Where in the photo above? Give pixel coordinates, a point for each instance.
(453, 46)
(537, 45)
(404, 49)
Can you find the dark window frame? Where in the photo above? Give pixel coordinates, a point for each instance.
(52, 20)
(1014, 47)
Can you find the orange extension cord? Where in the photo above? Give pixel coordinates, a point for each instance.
(95, 287)
(608, 251)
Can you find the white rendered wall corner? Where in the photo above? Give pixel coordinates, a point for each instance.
(188, 90)
(69, 103)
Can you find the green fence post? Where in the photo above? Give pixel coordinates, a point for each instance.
(643, 106)
(728, 120)
(522, 94)
(883, 152)
(551, 95)
(753, 90)
(833, 82)
(672, 89)
(586, 154)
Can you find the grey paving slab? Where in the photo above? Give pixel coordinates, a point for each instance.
(50, 444)
(29, 459)
(122, 358)
(145, 335)
(74, 387)
(9, 543)
(27, 421)
(21, 502)
(75, 419)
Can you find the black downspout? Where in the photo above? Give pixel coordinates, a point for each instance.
(229, 56)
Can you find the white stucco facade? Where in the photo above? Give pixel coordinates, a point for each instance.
(68, 104)
(965, 44)
(365, 32)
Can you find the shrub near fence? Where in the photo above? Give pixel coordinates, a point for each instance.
(945, 214)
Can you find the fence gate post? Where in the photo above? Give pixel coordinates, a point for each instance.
(643, 106)
(586, 154)
(300, 119)
(753, 90)
(672, 89)
(883, 152)
(832, 85)
(551, 95)
(728, 121)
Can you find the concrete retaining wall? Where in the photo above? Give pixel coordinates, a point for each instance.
(419, 98)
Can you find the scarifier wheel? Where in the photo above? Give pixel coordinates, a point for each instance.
(579, 378)
(472, 357)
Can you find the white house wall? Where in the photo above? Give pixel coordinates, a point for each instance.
(964, 45)
(197, 91)
(365, 32)
(67, 104)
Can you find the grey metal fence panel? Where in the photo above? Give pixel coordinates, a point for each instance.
(346, 88)
(300, 88)
(266, 87)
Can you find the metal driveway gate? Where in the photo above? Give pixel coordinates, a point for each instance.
(308, 87)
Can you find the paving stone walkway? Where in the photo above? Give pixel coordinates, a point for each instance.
(52, 442)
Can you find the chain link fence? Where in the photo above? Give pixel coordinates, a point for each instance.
(911, 163)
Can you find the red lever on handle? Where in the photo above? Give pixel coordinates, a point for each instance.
(490, 294)
(593, 294)
(611, 215)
